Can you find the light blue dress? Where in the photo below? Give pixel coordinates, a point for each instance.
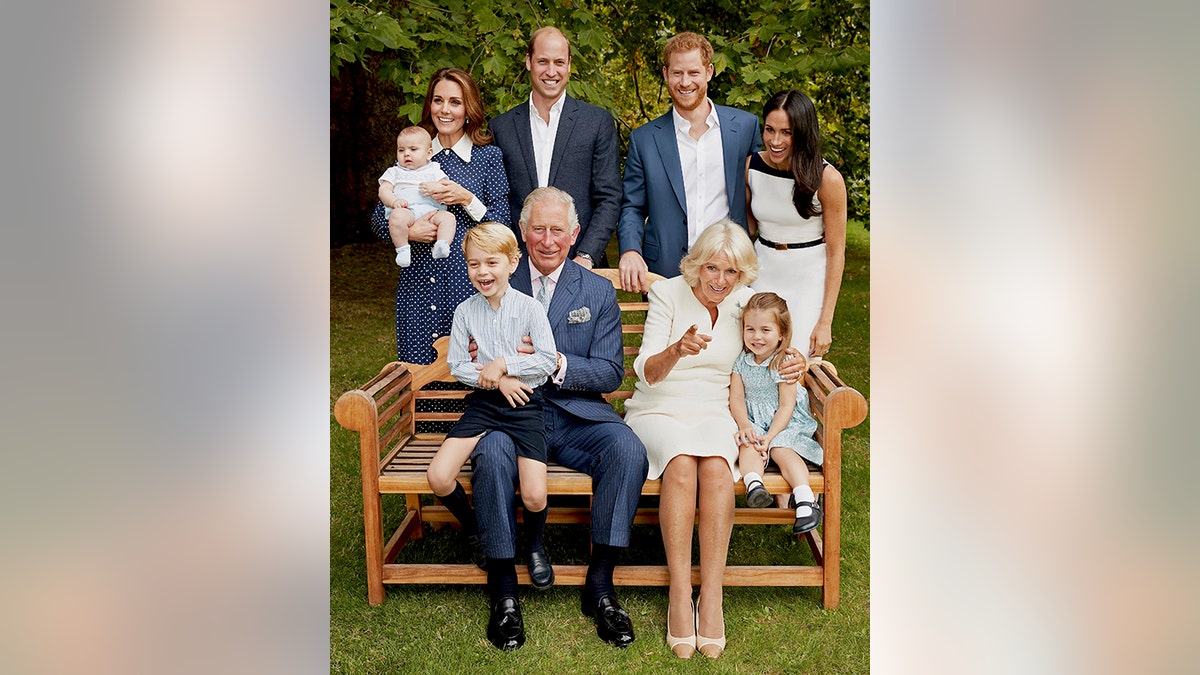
(762, 400)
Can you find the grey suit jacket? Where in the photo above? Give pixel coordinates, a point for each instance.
(583, 164)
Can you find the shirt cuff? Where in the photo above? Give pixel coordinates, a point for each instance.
(476, 209)
(562, 371)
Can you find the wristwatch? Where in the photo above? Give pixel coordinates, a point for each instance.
(585, 256)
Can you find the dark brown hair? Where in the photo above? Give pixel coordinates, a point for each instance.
(472, 105)
(807, 162)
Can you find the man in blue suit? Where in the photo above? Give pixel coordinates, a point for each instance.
(685, 170)
(553, 139)
(582, 431)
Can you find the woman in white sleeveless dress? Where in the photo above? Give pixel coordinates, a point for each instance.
(796, 203)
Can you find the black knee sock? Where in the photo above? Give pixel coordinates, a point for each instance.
(502, 578)
(458, 504)
(600, 571)
(535, 525)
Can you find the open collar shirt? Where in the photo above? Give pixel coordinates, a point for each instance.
(703, 165)
(544, 133)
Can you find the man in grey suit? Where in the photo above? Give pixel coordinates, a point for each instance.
(582, 431)
(554, 139)
(685, 170)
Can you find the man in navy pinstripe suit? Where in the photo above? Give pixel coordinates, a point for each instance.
(582, 431)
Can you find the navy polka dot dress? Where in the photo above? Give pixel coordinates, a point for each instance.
(429, 290)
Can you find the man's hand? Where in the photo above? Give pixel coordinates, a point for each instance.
(526, 346)
(633, 272)
(516, 391)
(490, 375)
(692, 343)
(794, 365)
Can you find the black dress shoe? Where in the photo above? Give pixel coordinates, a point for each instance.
(540, 571)
(757, 496)
(477, 554)
(505, 629)
(612, 623)
(805, 523)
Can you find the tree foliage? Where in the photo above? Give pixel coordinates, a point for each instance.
(387, 51)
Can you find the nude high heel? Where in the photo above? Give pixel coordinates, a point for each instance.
(702, 642)
(688, 642)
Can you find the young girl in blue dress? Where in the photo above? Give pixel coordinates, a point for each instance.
(772, 415)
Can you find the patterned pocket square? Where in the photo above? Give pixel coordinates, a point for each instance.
(581, 315)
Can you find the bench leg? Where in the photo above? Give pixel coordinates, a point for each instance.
(832, 562)
(373, 529)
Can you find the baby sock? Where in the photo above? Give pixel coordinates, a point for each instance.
(749, 479)
(441, 249)
(404, 256)
(803, 493)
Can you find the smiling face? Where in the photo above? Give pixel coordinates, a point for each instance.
(717, 278)
(548, 235)
(489, 272)
(687, 79)
(549, 66)
(448, 111)
(760, 333)
(777, 139)
(414, 150)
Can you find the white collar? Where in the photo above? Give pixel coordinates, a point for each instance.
(685, 126)
(555, 108)
(534, 274)
(462, 148)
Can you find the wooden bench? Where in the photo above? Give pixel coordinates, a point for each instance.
(395, 456)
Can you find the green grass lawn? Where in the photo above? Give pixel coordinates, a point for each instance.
(442, 628)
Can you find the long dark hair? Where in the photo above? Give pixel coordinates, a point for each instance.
(472, 105)
(807, 162)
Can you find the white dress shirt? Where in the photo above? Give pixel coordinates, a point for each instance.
(551, 282)
(703, 167)
(543, 137)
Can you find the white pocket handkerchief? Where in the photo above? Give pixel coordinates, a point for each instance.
(581, 315)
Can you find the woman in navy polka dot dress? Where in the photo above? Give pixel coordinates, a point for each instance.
(475, 190)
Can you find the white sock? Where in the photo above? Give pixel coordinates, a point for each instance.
(441, 249)
(749, 478)
(803, 493)
(404, 256)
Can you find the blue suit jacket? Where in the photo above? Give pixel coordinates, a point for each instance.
(583, 164)
(654, 209)
(593, 349)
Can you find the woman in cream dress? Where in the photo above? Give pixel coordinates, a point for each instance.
(680, 410)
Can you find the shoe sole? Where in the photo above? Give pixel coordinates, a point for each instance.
(760, 500)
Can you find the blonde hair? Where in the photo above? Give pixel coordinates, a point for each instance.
(778, 309)
(492, 237)
(415, 131)
(686, 42)
(722, 237)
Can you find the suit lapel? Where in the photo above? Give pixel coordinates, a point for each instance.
(668, 150)
(565, 125)
(730, 143)
(525, 139)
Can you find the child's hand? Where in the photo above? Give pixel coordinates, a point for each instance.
(400, 204)
(765, 445)
(516, 391)
(746, 435)
(489, 375)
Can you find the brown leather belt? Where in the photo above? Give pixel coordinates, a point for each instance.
(783, 247)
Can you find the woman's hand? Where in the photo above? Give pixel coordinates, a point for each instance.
(516, 391)
(423, 229)
(819, 341)
(446, 191)
(794, 365)
(692, 342)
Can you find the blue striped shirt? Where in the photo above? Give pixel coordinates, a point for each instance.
(497, 334)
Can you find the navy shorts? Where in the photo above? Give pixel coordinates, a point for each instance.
(488, 410)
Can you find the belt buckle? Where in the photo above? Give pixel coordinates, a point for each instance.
(781, 247)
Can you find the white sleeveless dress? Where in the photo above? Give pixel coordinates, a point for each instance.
(797, 275)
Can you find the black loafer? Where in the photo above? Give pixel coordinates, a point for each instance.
(477, 554)
(805, 523)
(540, 571)
(612, 623)
(505, 629)
(758, 497)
